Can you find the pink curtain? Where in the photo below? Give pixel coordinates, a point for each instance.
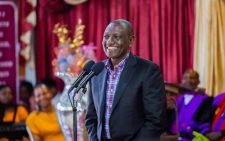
(164, 30)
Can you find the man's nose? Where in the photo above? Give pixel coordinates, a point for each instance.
(110, 41)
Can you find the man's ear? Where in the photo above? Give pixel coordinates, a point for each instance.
(131, 39)
(198, 82)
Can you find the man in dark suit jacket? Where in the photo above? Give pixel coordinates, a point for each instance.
(127, 99)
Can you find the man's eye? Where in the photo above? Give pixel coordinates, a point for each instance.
(117, 37)
(106, 36)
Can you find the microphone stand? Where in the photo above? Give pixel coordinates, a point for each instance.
(75, 122)
(74, 106)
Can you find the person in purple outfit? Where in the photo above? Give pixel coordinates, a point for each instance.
(217, 132)
(218, 99)
(193, 105)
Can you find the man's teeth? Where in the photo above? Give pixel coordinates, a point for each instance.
(112, 47)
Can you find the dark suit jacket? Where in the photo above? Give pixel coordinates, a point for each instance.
(139, 103)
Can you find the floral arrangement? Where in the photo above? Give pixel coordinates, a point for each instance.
(71, 53)
(71, 56)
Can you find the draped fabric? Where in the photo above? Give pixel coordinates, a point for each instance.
(27, 23)
(209, 57)
(164, 31)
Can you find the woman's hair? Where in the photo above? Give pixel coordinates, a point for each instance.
(27, 85)
(2, 86)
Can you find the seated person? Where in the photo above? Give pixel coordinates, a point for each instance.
(193, 105)
(217, 100)
(43, 122)
(26, 95)
(9, 114)
(218, 122)
(52, 86)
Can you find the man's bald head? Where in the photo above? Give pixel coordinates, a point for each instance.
(190, 79)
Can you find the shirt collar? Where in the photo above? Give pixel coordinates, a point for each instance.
(109, 65)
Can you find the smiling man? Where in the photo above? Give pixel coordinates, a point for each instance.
(126, 100)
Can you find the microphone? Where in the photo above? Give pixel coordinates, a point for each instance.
(95, 70)
(85, 71)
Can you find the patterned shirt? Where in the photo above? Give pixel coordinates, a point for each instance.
(112, 81)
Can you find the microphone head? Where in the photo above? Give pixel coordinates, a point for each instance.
(97, 68)
(88, 66)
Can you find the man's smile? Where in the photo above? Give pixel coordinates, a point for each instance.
(112, 48)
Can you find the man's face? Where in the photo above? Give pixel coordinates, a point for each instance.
(116, 41)
(190, 80)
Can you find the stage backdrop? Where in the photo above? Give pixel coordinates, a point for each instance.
(164, 30)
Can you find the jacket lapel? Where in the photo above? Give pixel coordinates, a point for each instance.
(125, 77)
(102, 87)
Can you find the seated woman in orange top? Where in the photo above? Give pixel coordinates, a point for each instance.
(10, 112)
(43, 123)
